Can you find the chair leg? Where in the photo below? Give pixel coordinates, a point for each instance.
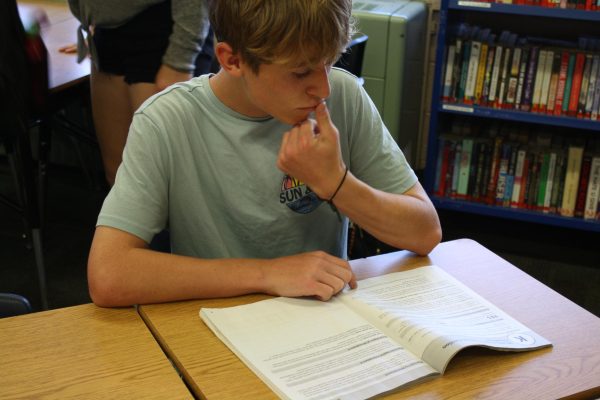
(31, 209)
(38, 251)
(44, 140)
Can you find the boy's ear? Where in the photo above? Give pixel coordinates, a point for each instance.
(229, 60)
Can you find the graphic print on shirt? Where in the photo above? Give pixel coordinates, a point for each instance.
(297, 196)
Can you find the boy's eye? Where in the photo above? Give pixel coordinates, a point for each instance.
(301, 74)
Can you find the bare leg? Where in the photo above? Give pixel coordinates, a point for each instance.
(112, 113)
(139, 92)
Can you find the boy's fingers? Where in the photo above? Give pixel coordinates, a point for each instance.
(322, 117)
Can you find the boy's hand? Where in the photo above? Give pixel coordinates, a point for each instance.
(310, 152)
(308, 274)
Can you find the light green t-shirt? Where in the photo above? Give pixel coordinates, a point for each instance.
(210, 175)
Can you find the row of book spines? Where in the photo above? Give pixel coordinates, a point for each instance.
(587, 5)
(532, 79)
(513, 175)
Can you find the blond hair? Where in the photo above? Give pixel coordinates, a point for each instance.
(294, 32)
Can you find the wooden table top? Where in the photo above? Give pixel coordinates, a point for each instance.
(570, 368)
(61, 30)
(84, 352)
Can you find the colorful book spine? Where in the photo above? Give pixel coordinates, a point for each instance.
(592, 85)
(568, 84)
(516, 193)
(596, 102)
(448, 74)
(464, 168)
(546, 77)
(585, 84)
(575, 84)
(472, 68)
(584, 176)
(530, 79)
(549, 182)
(553, 83)
(539, 78)
(483, 100)
(591, 211)
(481, 73)
(557, 188)
(513, 79)
(574, 160)
(562, 80)
(522, 72)
(495, 74)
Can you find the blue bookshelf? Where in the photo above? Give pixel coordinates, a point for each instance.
(539, 20)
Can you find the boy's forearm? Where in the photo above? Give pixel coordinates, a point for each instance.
(408, 221)
(137, 275)
(122, 271)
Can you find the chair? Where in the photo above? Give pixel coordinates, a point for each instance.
(352, 59)
(23, 87)
(12, 305)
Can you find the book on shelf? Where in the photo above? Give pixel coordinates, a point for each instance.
(520, 178)
(546, 78)
(472, 68)
(499, 57)
(576, 84)
(481, 68)
(506, 65)
(596, 101)
(592, 86)
(547, 195)
(530, 79)
(585, 84)
(521, 78)
(584, 176)
(447, 86)
(553, 83)
(489, 65)
(558, 186)
(392, 331)
(562, 80)
(464, 168)
(513, 78)
(539, 79)
(573, 169)
(592, 200)
(568, 84)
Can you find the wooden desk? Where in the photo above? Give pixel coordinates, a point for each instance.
(84, 352)
(61, 30)
(570, 368)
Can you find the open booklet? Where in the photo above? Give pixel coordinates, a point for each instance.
(393, 330)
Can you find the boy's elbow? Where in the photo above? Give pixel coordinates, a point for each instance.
(429, 240)
(103, 285)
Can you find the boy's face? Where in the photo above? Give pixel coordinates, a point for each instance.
(287, 93)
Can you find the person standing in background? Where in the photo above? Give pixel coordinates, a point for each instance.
(138, 48)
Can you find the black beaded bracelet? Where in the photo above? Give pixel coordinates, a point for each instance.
(339, 186)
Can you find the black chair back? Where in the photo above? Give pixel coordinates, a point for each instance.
(12, 305)
(352, 59)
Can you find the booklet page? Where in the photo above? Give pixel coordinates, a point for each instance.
(432, 314)
(308, 349)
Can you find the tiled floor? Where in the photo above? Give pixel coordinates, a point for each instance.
(566, 260)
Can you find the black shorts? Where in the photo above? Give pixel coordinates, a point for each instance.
(135, 49)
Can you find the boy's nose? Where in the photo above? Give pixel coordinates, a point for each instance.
(319, 84)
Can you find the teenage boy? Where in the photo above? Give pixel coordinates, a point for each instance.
(241, 166)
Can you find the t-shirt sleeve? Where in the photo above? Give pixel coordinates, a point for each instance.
(374, 156)
(190, 27)
(138, 201)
